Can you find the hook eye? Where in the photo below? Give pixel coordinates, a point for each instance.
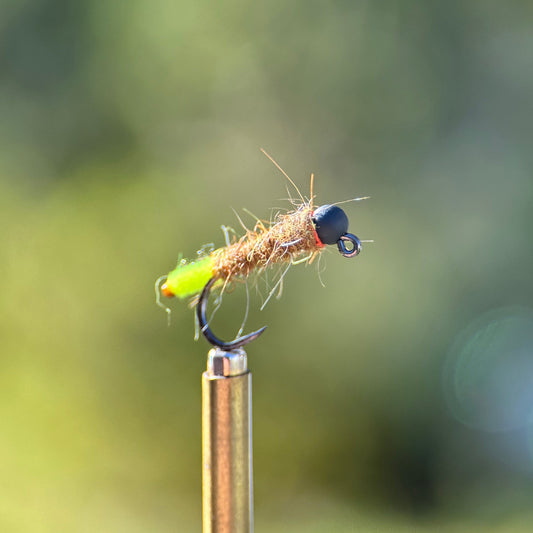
(349, 251)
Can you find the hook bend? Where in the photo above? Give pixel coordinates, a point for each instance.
(201, 308)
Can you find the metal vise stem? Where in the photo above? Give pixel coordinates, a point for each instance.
(227, 444)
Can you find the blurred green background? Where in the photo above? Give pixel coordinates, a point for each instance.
(399, 397)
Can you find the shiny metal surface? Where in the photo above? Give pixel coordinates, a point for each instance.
(223, 363)
(226, 444)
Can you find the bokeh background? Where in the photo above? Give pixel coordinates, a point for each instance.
(397, 398)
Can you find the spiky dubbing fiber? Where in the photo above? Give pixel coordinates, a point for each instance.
(292, 235)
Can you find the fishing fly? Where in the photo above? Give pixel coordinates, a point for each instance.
(297, 236)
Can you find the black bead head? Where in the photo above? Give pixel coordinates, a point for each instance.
(331, 223)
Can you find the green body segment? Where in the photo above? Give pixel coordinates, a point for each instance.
(189, 279)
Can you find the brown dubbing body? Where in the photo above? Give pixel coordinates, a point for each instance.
(292, 235)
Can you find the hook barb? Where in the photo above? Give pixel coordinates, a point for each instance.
(201, 308)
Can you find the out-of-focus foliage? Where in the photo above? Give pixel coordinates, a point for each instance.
(399, 397)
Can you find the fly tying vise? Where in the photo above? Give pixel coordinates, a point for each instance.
(306, 230)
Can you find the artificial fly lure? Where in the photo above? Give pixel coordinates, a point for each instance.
(294, 237)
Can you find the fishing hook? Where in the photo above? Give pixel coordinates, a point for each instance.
(201, 308)
(344, 250)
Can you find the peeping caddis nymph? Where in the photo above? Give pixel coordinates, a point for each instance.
(294, 237)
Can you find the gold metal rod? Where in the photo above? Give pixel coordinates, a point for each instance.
(227, 502)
